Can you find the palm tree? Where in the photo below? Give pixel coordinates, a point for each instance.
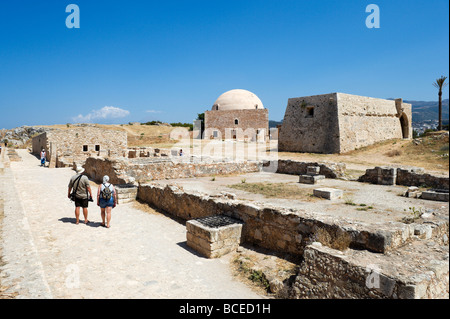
(440, 84)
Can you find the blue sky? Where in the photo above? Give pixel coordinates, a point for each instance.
(169, 60)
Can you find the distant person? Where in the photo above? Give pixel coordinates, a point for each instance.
(43, 157)
(81, 194)
(181, 152)
(107, 200)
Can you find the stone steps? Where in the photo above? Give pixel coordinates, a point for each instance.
(126, 193)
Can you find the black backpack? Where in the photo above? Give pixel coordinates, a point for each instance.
(106, 193)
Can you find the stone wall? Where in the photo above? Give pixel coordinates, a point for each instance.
(405, 177)
(279, 229)
(249, 121)
(413, 177)
(124, 171)
(136, 152)
(338, 123)
(329, 170)
(311, 125)
(77, 144)
(330, 274)
(364, 121)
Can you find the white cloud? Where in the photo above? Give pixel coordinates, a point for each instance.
(107, 112)
(153, 111)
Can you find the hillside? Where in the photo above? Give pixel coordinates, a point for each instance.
(429, 110)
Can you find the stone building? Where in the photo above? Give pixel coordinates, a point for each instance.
(338, 123)
(66, 146)
(237, 115)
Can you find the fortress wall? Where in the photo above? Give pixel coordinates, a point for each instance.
(310, 125)
(364, 121)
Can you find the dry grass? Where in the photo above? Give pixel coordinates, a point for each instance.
(427, 154)
(277, 190)
(393, 153)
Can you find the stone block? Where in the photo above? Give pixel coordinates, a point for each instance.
(413, 192)
(442, 196)
(328, 193)
(214, 236)
(313, 170)
(308, 179)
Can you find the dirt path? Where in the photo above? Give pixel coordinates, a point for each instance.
(142, 255)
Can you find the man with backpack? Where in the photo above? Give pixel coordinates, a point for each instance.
(81, 194)
(107, 200)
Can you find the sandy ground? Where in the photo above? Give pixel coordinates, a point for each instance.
(142, 255)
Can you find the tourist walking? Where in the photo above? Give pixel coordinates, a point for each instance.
(43, 157)
(80, 193)
(107, 200)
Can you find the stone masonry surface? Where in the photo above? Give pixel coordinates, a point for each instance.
(338, 123)
(284, 230)
(76, 144)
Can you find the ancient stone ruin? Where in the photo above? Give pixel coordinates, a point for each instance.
(338, 123)
(64, 147)
(348, 249)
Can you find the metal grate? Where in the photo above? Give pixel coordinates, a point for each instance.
(217, 221)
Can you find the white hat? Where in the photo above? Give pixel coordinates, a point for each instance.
(80, 170)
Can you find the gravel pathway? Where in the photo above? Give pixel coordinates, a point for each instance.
(142, 255)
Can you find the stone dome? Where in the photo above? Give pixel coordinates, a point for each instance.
(237, 100)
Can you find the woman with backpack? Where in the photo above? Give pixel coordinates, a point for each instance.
(107, 200)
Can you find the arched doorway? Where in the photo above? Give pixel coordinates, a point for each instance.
(404, 122)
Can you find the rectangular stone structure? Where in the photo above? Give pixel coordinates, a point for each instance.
(214, 236)
(309, 179)
(126, 193)
(339, 123)
(436, 195)
(328, 193)
(313, 170)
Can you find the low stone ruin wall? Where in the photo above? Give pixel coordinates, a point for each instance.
(330, 274)
(405, 177)
(279, 229)
(418, 178)
(141, 168)
(329, 170)
(124, 171)
(137, 152)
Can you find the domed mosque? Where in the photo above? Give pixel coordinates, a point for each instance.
(239, 115)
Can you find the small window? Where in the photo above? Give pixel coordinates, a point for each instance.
(256, 106)
(236, 122)
(85, 148)
(310, 112)
(97, 148)
(215, 134)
